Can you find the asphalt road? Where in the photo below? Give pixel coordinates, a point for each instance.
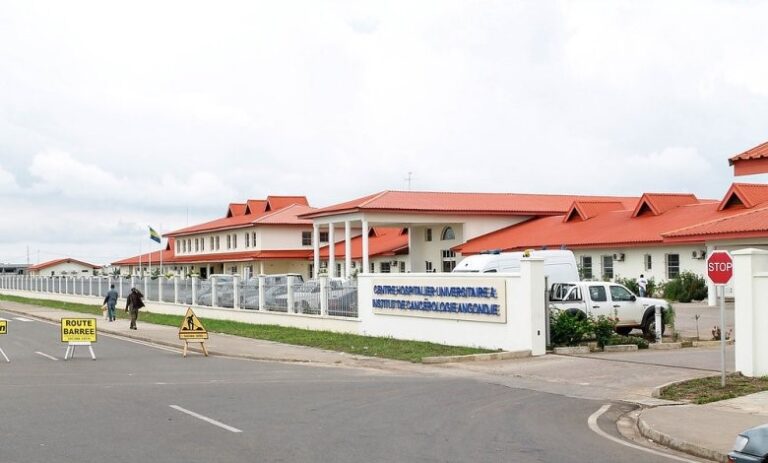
(142, 403)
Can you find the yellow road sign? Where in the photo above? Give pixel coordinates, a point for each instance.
(78, 330)
(3, 326)
(191, 328)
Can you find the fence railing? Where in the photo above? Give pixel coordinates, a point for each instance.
(272, 293)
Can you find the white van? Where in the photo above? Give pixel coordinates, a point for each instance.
(559, 265)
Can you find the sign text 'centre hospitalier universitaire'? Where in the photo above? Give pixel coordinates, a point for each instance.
(476, 299)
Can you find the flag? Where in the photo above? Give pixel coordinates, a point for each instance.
(153, 235)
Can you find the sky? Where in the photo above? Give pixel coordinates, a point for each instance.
(116, 116)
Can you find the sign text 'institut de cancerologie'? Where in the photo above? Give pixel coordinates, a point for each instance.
(476, 299)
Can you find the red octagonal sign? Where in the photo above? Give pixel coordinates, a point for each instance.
(720, 267)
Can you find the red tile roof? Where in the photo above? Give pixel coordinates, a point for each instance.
(609, 229)
(383, 241)
(236, 209)
(66, 260)
(743, 223)
(759, 151)
(243, 256)
(280, 213)
(462, 203)
(659, 203)
(746, 195)
(585, 209)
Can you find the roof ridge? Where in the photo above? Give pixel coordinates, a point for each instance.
(375, 196)
(559, 195)
(670, 194)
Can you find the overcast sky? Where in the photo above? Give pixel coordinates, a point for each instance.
(119, 115)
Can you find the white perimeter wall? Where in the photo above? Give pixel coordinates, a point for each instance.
(750, 279)
(523, 329)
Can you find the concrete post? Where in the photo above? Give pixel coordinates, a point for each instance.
(160, 280)
(366, 268)
(347, 249)
(194, 290)
(324, 296)
(236, 291)
(315, 250)
(332, 250)
(90, 286)
(290, 308)
(146, 285)
(750, 283)
(214, 293)
(262, 282)
(120, 287)
(532, 298)
(133, 281)
(176, 289)
(66, 285)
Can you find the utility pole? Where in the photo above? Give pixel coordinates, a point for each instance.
(408, 179)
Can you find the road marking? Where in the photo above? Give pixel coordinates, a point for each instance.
(205, 418)
(22, 319)
(592, 421)
(47, 356)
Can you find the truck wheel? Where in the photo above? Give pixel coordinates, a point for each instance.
(623, 330)
(577, 313)
(649, 325)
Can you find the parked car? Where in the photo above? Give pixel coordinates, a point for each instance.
(596, 298)
(343, 303)
(751, 446)
(225, 291)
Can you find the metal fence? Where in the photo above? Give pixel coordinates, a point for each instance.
(273, 293)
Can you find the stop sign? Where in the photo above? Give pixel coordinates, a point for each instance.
(720, 267)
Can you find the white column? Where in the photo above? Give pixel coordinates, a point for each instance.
(331, 250)
(194, 290)
(160, 280)
(176, 289)
(214, 292)
(347, 249)
(408, 259)
(532, 298)
(324, 296)
(750, 284)
(365, 246)
(262, 282)
(289, 296)
(236, 291)
(315, 250)
(711, 288)
(120, 285)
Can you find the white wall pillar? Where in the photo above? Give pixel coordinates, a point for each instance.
(289, 281)
(324, 296)
(214, 292)
(532, 299)
(408, 260)
(194, 290)
(176, 289)
(315, 250)
(262, 282)
(236, 291)
(750, 283)
(365, 246)
(347, 249)
(331, 250)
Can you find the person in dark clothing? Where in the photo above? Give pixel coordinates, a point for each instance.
(111, 301)
(134, 303)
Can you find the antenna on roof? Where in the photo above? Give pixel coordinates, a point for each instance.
(408, 179)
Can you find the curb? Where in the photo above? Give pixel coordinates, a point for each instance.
(728, 342)
(665, 346)
(572, 350)
(620, 348)
(476, 357)
(678, 444)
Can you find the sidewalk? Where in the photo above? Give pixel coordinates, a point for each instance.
(706, 431)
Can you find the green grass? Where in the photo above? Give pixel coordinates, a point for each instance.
(706, 390)
(412, 351)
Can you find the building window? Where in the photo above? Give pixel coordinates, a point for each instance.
(189, 245)
(607, 267)
(323, 237)
(306, 238)
(449, 260)
(202, 244)
(247, 240)
(402, 267)
(447, 234)
(212, 244)
(428, 234)
(229, 241)
(372, 265)
(586, 267)
(218, 243)
(197, 245)
(648, 262)
(178, 247)
(184, 246)
(234, 241)
(673, 266)
(232, 270)
(253, 239)
(338, 269)
(428, 266)
(384, 266)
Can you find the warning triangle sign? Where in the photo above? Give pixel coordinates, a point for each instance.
(191, 328)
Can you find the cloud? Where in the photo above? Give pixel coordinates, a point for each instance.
(7, 182)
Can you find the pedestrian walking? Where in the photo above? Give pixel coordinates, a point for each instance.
(111, 302)
(642, 285)
(134, 303)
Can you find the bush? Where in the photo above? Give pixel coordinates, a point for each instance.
(668, 316)
(637, 340)
(631, 284)
(603, 328)
(567, 329)
(686, 287)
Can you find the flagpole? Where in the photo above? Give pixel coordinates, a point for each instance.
(161, 251)
(141, 272)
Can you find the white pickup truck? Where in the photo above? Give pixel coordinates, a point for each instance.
(595, 298)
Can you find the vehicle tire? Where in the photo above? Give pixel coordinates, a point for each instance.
(649, 324)
(577, 313)
(623, 330)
